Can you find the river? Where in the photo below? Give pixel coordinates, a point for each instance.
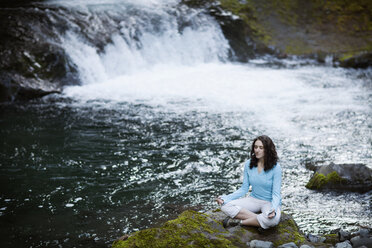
(163, 122)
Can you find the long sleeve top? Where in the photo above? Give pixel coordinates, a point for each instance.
(266, 185)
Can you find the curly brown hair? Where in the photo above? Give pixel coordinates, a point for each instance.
(270, 158)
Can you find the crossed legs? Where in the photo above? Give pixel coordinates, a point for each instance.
(248, 218)
(249, 211)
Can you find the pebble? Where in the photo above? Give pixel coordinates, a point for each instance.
(261, 244)
(343, 235)
(364, 233)
(288, 245)
(360, 241)
(345, 244)
(315, 239)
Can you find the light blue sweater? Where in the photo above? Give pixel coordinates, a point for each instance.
(265, 185)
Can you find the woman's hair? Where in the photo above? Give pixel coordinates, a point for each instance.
(270, 157)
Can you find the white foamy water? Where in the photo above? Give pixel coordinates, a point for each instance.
(142, 35)
(277, 97)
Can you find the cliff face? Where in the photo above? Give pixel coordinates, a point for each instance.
(32, 62)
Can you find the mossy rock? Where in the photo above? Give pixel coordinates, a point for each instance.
(350, 177)
(331, 239)
(320, 181)
(190, 229)
(195, 229)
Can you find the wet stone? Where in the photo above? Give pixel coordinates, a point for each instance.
(315, 239)
(261, 244)
(364, 232)
(288, 245)
(361, 241)
(345, 244)
(306, 246)
(343, 235)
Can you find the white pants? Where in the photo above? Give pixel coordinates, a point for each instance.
(254, 205)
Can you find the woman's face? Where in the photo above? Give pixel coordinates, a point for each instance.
(259, 151)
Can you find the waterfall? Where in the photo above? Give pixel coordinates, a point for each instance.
(114, 38)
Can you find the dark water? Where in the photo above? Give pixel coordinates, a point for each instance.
(77, 176)
(82, 173)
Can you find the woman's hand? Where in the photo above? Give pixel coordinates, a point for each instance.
(271, 215)
(219, 201)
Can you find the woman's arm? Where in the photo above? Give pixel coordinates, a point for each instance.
(277, 184)
(242, 190)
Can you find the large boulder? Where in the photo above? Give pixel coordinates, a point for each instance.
(33, 63)
(195, 229)
(351, 177)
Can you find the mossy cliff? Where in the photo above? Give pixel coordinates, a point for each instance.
(316, 28)
(195, 229)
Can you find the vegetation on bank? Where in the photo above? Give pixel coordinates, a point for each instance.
(316, 28)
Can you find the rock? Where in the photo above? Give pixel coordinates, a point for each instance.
(343, 235)
(359, 60)
(287, 230)
(33, 61)
(315, 239)
(288, 245)
(345, 244)
(198, 229)
(364, 232)
(361, 241)
(317, 29)
(331, 238)
(351, 177)
(312, 166)
(261, 244)
(306, 246)
(189, 229)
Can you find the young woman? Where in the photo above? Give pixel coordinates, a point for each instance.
(262, 207)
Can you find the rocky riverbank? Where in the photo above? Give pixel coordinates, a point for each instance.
(196, 229)
(336, 31)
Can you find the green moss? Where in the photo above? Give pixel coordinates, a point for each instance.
(316, 182)
(249, 14)
(297, 47)
(296, 27)
(190, 229)
(331, 239)
(319, 181)
(288, 231)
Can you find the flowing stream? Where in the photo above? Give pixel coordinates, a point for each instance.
(163, 122)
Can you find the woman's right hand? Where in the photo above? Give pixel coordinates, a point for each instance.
(219, 201)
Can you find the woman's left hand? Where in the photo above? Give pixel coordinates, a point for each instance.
(219, 201)
(271, 215)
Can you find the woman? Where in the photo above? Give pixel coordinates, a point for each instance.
(262, 207)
